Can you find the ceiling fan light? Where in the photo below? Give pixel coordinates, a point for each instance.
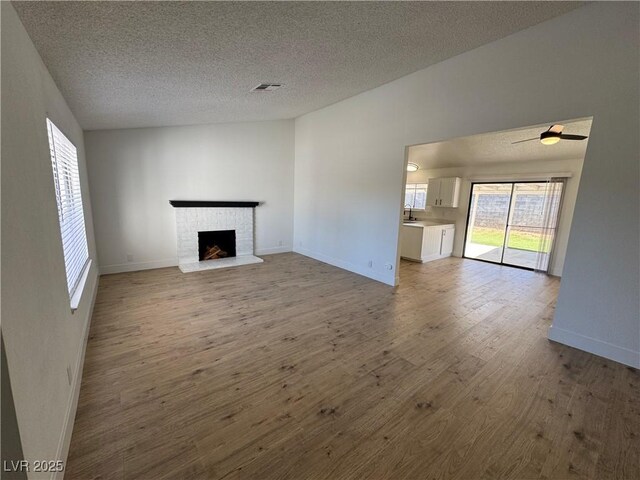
(412, 167)
(549, 138)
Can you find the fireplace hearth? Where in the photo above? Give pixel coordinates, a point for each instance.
(216, 244)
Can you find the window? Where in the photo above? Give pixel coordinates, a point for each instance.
(415, 196)
(66, 179)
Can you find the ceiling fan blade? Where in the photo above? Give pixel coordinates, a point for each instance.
(572, 137)
(527, 140)
(556, 128)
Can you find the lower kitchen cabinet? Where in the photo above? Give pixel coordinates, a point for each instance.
(424, 242)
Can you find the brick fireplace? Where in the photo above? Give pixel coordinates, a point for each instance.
(205, 230)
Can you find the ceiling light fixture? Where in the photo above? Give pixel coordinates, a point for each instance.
(412, 167)
(553, 136)
(549, 138)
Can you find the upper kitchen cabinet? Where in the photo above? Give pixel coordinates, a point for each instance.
(443, 192)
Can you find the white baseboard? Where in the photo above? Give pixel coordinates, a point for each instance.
(67, 430)
(597, 347)
(134, 267)
(432, 257)
(272, 250)
(365, 272)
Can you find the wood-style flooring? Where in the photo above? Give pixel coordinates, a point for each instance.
(294, 369)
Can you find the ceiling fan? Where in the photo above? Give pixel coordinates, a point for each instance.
(552, 136)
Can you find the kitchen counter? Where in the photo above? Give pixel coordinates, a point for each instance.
(428, 223)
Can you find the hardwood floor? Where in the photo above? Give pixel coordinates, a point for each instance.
(294, 369)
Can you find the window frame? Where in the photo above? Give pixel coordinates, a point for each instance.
(415, 187)
(70, 207)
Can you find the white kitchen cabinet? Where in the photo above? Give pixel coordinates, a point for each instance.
(443, 192)
(446, 242)
(411, 242)
(426, 241)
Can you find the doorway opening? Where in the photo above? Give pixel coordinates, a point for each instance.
(513, 223)
(504, 197)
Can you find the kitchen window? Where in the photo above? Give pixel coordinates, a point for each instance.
(415, 196)
(66, 178)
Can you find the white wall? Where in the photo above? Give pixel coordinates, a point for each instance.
(350, 159)
(41, 335)
(505, 172)
(134, 173)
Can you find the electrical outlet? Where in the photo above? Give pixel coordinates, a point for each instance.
(370, 264)
(129, 257)
(388, 266)
(69, 376)
(280, 243)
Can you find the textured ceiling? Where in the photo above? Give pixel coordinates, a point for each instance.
(137, 64)
(497, 147)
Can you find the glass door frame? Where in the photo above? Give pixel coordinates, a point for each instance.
(506, 227)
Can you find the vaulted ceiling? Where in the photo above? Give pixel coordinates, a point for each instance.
(139, 64)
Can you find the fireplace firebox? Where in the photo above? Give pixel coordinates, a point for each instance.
(216, 244)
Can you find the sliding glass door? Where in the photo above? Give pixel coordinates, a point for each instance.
(487, 221)
(513, 223)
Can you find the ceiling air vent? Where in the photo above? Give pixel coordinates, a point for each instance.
(266, 87)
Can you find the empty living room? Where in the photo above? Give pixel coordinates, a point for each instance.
(320, 240)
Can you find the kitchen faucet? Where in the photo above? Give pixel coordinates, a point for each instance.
(405, 212)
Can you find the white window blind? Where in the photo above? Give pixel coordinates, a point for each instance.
(66, 178)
